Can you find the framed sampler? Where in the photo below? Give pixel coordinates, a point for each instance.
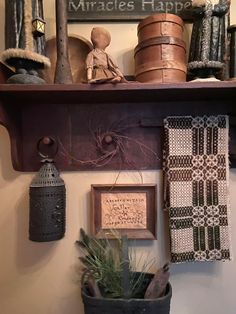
(128, 209)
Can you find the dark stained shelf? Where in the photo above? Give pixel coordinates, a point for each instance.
(125, 92)
(75, 115)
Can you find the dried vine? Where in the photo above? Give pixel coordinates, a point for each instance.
(110, 143)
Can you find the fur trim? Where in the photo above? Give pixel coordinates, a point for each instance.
(205, 64)
(29, 44)
(25, 54)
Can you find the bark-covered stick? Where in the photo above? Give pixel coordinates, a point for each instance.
(157, 287)
(63, 73)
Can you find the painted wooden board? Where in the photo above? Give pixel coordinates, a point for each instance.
(125, 10)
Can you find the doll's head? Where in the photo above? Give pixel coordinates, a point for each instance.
(100, 37)
(199, 3)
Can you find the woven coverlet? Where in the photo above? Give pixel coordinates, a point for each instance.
(196, 187)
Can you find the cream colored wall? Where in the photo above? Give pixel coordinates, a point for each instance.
(42, 278)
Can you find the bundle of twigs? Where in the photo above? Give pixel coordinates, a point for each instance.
(109, 270)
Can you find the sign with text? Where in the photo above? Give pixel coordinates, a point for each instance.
(126, 10)
(124, 210)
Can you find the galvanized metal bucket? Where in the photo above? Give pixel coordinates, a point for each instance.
(94, 305)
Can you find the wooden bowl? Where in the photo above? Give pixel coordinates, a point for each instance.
(79, 48)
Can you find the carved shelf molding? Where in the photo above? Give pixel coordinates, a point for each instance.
(77, 115)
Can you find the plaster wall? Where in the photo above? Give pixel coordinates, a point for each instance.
(42, 278)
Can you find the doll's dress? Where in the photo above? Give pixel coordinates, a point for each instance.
(102, 65)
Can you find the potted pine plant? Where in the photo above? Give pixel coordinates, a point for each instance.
(111, 284)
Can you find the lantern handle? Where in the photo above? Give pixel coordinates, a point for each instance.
(47, 141)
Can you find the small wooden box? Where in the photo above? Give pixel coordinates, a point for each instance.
(160, 56)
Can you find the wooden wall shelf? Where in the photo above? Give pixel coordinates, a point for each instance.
(75, 114)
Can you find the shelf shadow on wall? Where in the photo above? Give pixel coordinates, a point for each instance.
(7, 172)
(196, 268)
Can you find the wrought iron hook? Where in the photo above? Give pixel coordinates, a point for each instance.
(47, 141)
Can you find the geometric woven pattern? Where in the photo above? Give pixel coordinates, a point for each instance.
(196, 187)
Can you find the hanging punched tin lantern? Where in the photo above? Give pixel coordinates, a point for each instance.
(47, 199)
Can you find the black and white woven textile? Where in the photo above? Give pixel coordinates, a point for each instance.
(196, 173)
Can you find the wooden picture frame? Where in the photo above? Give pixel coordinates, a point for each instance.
(125, 10)
(129, 209)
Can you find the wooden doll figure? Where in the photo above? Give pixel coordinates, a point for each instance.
(100, 66)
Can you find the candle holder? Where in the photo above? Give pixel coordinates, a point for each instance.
(208, 40)
(25, 41)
